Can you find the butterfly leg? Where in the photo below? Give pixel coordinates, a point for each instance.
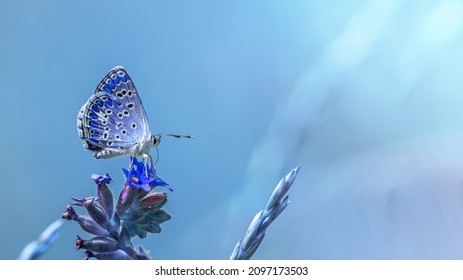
(132, 158)
(151, 162)
(145, 164)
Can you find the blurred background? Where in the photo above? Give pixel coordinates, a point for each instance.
(365, 95)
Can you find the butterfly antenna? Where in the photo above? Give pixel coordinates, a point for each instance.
(174, 135)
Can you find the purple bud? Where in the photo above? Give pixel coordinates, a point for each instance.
(93, 210)
(105, 199)
(97, 244)
(85, 222)
(69, 213)
(152, 200)
(126, 198)
(79, 242)
(90, 226)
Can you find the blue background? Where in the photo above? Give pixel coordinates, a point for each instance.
(366, 95)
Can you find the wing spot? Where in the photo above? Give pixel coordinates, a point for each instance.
(124, 92)
(109, 112)
(130, 105)
(124, 131)
(130, 93)
(98, 102)
(126, 112)
(105, 135)
(110, 143)
(134, 125)
(118, 137)
(119, 125)
(106, 128)
(120, 115)
(119, 94)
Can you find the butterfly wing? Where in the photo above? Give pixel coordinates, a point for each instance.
(118, 82)
(113, 121)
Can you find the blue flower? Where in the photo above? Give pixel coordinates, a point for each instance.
(142, 176)
(102, 179)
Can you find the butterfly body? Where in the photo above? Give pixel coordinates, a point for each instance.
(113, 121)
(138, 149)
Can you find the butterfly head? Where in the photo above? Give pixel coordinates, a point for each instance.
(155, 140)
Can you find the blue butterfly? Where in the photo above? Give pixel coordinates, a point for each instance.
(113, 121)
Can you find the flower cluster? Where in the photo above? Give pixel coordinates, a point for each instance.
(136, 213)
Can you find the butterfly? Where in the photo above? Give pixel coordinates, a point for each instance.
(113, 121)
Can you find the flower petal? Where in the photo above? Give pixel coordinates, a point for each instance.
(102, 179)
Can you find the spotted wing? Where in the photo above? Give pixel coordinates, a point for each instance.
(113, 119)
(118, 82)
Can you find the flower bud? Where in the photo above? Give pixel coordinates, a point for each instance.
(126, 198)
(97, 214)
(105, 199)
(97, 244)
(152, 200)
(85, 222)
(90, 226)
(69, 213)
